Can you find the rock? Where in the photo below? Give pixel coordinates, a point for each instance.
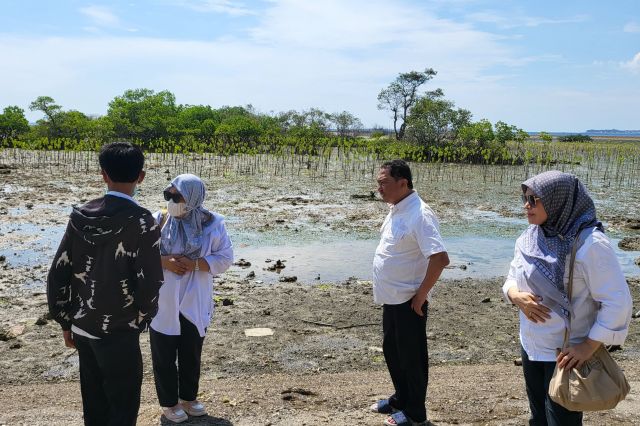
(12, 332)
(43, 319)
(517, 362)
(636, 315)
(288, 279)
(276, 266)
(16, 345)
(630, 244)
(486, 300)
(638, 261)
(242, 263)
(3, 258)
(250, 275)
(227, 302)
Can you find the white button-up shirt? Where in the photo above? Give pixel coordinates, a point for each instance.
(409, 236)
(601, 301)
(191, 294)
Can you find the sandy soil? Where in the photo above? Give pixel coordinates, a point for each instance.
(322, 364)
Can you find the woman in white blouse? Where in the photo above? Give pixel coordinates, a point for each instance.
(194, 247)
(561, 213)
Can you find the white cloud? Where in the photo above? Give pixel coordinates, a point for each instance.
(336, 56)
(229, 7)
(505, 21)
(101, 16)
(632, 27)
(633, 65)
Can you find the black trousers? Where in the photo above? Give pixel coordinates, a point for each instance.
(405, 351)
(537, 375)
(110, 379)
(182, 380)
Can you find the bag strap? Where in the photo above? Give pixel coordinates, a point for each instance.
(576, 244)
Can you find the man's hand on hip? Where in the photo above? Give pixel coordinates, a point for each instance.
(417, 301)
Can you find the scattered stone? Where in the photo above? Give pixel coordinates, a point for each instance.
(29, 206)
(517, 362)
(288, 279)
(280, 221)
(266, 312)
(486, 300)
(638, 261)
(12, 332)
(636, 315)
(16, 345)
(630, 244)
(43, 319)
(227, 302)
(276, 266)
(242, 263)
(3, 258)
(463, 267)
(250, 275)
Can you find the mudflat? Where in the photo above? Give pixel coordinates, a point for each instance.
(322, 364)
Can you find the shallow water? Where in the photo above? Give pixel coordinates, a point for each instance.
(471, 257)
(312, 261)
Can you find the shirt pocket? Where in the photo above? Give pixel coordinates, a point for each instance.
(395, 232)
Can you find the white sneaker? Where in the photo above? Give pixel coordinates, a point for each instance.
(194, 408)
(175, 414)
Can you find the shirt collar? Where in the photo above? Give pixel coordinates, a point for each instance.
(121, 195)
(405, 203)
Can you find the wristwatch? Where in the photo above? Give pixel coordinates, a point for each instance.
(197, 267)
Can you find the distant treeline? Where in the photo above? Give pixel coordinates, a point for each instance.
(427, 127)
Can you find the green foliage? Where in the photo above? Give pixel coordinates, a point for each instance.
(545, 137)
(401, 95)
(434, 121)
(575, 138)
(476, 134)
(13, 124)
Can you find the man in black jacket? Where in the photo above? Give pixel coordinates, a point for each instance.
(103, 288)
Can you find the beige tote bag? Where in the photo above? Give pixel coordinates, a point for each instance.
(598, 385)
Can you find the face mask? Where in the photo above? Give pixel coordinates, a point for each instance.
(176, 209)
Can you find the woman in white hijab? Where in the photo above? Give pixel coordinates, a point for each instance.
(561, 214)
(194, 247)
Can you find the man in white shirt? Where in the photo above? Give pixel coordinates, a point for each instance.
(408, 261)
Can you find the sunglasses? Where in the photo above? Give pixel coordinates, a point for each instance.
(173, 196)
(531, 199)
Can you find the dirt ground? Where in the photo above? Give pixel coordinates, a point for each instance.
(323, 363)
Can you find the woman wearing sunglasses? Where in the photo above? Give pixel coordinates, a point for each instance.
(561, 213)
(194, 247)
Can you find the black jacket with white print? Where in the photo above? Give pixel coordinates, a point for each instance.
(107, 272)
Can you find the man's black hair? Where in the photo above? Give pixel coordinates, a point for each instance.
(399, 169)
(121, 161)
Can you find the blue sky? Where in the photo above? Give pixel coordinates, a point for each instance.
(541, 65)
